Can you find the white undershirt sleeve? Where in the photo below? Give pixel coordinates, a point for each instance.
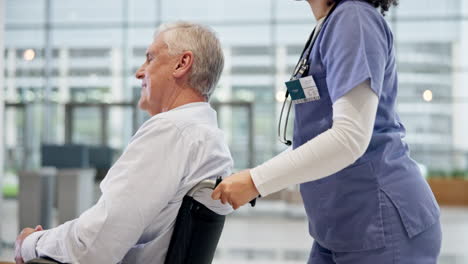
(331, 151)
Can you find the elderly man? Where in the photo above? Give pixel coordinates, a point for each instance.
(179, 146)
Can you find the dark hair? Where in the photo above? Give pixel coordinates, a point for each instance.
(384, 5)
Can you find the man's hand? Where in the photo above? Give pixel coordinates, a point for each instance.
(19, 242)
(237, 189)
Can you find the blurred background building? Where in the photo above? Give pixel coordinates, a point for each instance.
(69, 78)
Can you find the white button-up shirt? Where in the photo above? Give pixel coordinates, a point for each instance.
(134, 218)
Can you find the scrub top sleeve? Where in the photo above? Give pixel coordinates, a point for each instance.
(354, 48)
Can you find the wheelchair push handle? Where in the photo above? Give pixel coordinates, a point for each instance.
(219, 179)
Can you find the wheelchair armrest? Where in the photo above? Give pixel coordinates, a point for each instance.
(211, 184)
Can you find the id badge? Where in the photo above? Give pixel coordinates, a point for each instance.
(303, 90)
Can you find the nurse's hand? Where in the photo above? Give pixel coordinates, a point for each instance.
(237, 189)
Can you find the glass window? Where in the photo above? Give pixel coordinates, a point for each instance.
(227, 12)
(79, 13)
(24, 12)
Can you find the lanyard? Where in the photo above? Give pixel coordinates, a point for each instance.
(301, 67)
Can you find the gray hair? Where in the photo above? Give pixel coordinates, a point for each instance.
(202, 42)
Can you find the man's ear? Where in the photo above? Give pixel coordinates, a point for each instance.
(184, 64)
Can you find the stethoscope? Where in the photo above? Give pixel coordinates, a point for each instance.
(301, 67)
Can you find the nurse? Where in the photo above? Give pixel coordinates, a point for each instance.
(365, 198)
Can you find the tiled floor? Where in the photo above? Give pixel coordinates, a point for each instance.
(274, 233)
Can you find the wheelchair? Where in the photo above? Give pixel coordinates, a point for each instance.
(196, 232)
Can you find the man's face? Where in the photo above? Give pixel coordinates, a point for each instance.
(156, 77)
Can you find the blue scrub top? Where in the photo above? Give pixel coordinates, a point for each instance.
(344, 209)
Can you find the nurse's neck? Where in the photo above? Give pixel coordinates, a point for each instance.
(320, 8)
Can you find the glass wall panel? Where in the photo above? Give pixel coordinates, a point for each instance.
(24, 12)
(215, 11)
(86, 124)
(88, 12)
(144, 12)
(427, 64)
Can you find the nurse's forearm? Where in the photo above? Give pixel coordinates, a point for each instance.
(333, 150)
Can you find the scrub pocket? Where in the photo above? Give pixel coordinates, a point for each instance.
(345, 211)
(315, 117)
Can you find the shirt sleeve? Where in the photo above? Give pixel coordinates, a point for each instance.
(354, 48)
(135, 190)
(333, 150)
(28, 248)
